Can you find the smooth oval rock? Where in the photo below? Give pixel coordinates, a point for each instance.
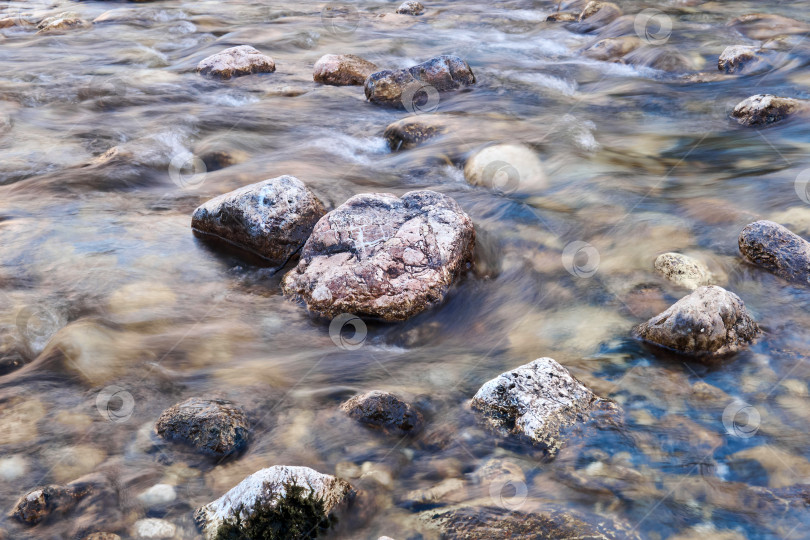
(403, 88)
(153, 529)
(708, 324)
(735, 57)
(536, 401)
(213, 427)
(506, 168)
(682, 270)
(236, 62)
(271, 219)
(776, 249)
(382, 256)
(413, 131)
(384, 410)
(270, 486)
(612, 49)
(411, 7)
(763, 109)
(342, 70)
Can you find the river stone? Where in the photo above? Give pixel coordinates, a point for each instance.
(763, 26)
(682, 270)
(153, 529)
(272, 218)
(735, 57)
(763, 109)
(596, 15)
(777, 249)
(102, 536)
(613, 49)
(384, 410)
(401, 87)
(506, 168)
(342, 70)
(411, 7)
(270, 486)
(562, 17)
(60, 23)
(53, 500)
(414, 130)
(213, 427)
(709, 323)
(236, 62)
(536, 401)
(382, 256)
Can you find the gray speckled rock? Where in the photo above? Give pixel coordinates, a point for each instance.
(213, 427)
(414, 130)
(382, 256)
(707, 324)
(763, 109)
(682, 270)
(537, 401)
(342, 70)
(442, 73)
(385, 411)
(734, 58)
(270, 485)
(777, 249)
(411, 7)
(236, 62)
(272, 218)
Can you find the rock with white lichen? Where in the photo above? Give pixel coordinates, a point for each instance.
(763, 109)
(682, 270)
(411, 7)
(735, 57)
(236, 62)
(383, 256)
(289, 498)
(777, 249)
(708, 324)
(342, 70)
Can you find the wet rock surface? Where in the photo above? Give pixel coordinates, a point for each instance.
(734, 58)
(776, 249)
(383, 256)
(562, 17)
(506, 168)
(404, 88)
(271, 487)
(213, 427)
(767, 26)
(613, 49)
(342, 70)
(46, 502)
(536, 401)
(385, 411)
(413, 131)
(236, 62)
(682, 270)
(411, 7)
(595, 15)
(62, 23)
(764, 109)
(710, 323)
(271, 219)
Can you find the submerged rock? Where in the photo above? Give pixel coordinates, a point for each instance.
(383, 256)
(763, 109)
(153, 529)
(613, 49)
(236, 62)
(596, 15)
(384, 410)
(271, 219)
(506, 168)
(62, 22)
(414, 130)
(213, 427)
(777, 249)
(764, 26)
(707, 324)
(682, 270)
(562, 17)
(401, 87)
(43, 503)
(277, 496)
(411, 7)
(734, 58)
(342, 70)
(537, 401)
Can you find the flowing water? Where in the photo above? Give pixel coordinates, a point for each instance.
(118, 311)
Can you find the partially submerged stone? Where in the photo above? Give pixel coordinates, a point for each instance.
(342, 70)
(764, 26)
(236, 62)
(401, 88)
(776, 249)
(735, 57)
(506, 168)
(682, 270)
(613, 49)
(763, 109)
(271, 219)
(411, 7)
(562, 16)
(382, 256)
(596, 15)
(57, 501)
(62, 22)
(213, 427)
(271, 488)
(536, 401)
(707, 324)
(414, 130)
(385, 411)
(153, 529)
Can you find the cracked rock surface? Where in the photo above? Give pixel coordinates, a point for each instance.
(213, 427)
(382, 256)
